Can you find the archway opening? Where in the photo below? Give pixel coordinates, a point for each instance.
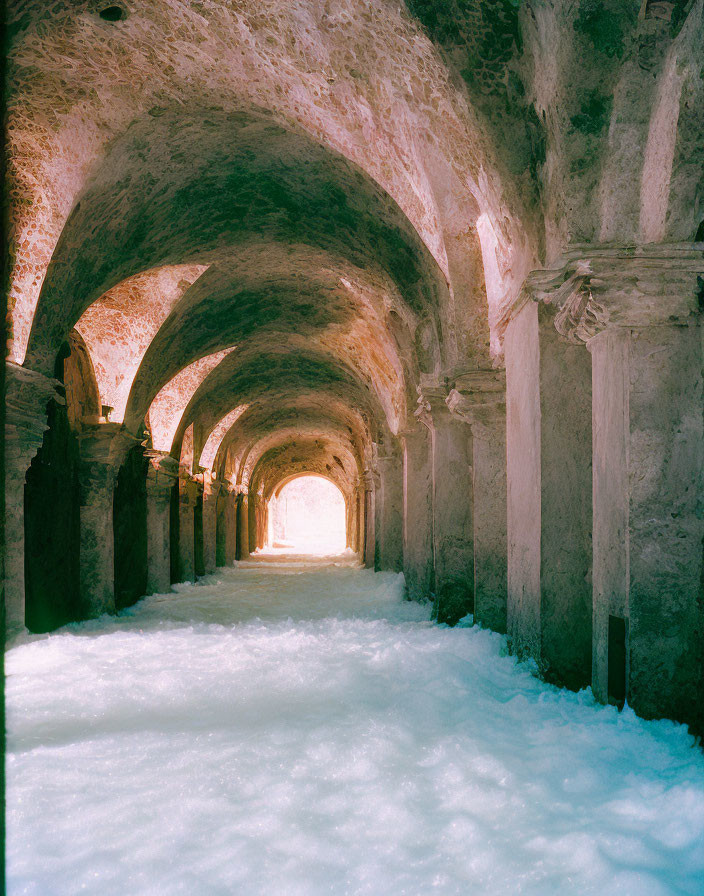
(308, 516)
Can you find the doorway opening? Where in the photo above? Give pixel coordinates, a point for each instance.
(307, 515)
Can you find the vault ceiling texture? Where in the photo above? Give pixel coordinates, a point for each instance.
(270, 220)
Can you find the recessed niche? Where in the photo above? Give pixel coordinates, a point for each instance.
(113, 14)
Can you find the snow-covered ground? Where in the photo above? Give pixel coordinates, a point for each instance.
(283, 728)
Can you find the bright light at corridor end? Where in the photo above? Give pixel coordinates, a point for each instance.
(308, 515)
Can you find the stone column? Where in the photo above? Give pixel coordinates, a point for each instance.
(479, 398)
(548, 448)
(252, 515)
(418, 513)
(26, 399)
(187, 496)
(361, 522)
(103, 448)
(640, 312)
(368, 496)
(263, 522)
(453, 548)
(349, 522)
(161, 475)
(211, 489)
(242, 526)
(357, 520)
(229, 525)
(389, 512)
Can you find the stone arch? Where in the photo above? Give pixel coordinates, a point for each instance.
(266, 525)
(190, 200)
(75, 369)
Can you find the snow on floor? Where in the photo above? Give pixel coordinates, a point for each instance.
(286, 728)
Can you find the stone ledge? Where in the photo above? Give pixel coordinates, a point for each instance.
(595, 288)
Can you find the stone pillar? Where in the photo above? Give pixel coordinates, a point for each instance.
(263, 523)
(479, 398)
(361, 522)
(211, 490)
(187, 497)
(640, 314)
(453, 548)
(548, 447)
(161, 475)
(389, 512)
(357, 520)
(229, 524)
(242, 526)
(418, 513)
(368, 496)
(349, 521)
(27, 396)
(252, 514)
(103, 447)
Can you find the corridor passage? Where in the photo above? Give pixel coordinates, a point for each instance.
(292, 726)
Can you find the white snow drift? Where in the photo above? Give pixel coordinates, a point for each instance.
(284, 728)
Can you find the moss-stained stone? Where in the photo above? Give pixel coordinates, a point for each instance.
(604, 23)
(594, 113)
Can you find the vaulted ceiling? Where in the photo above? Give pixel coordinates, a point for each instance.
(271, 221)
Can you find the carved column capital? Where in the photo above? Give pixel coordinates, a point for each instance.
(27, 394)
(600, 287)
(211, 486)
(162, 472)
(369, 480)
(432, 408)
(478, 396)
(189, 491)
(103, 448)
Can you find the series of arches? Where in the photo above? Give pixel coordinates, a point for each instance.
(256, 242)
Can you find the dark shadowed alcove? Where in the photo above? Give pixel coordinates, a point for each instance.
(198, 555)
(52, 528)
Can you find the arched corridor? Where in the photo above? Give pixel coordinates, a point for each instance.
(444, 256)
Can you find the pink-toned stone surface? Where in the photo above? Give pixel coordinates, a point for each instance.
(362, 78)
(119, 327)
(168, 406)
(212, 444)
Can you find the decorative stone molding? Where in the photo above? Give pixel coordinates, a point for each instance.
(620, 286)
(163, 470)
(478, 396)
(369, 480)
(27, 394)
(189, 491)
(103, 448)
(580, 318)
(432, 405)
